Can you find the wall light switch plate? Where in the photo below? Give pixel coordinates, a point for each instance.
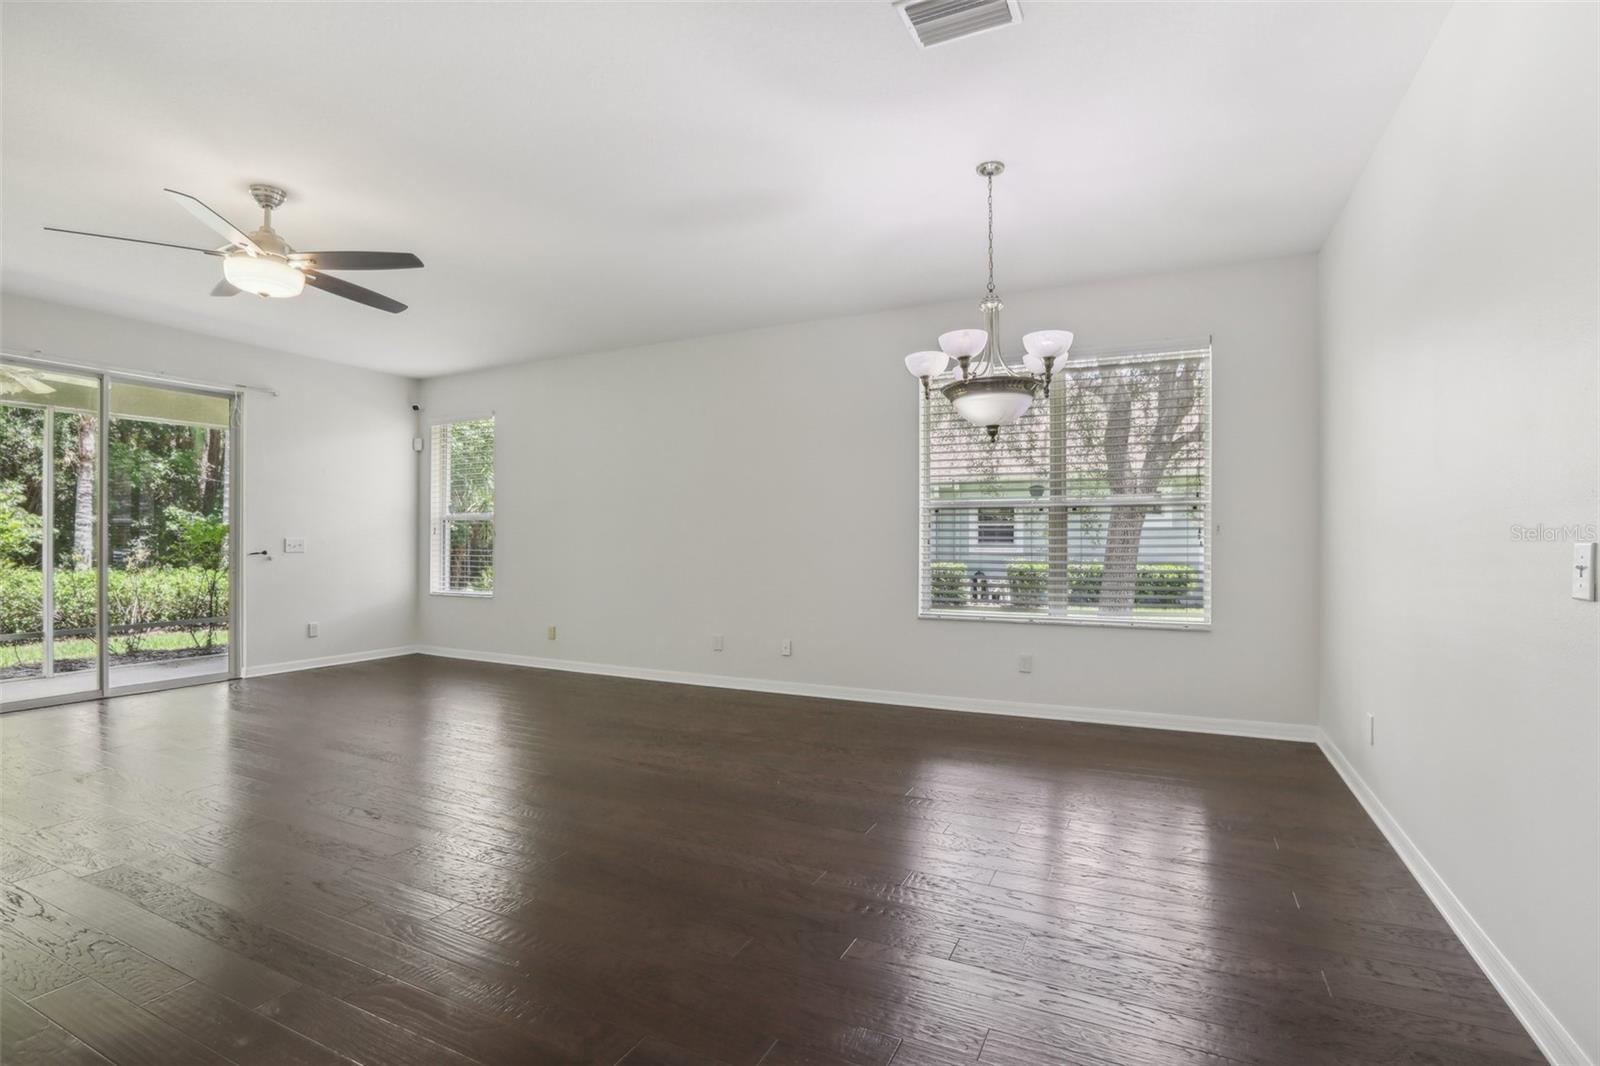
(716, 642)
(294, 545)
(786, 648)
(312, 629)
(1024, 664)
(1583, 570)
(550, 633)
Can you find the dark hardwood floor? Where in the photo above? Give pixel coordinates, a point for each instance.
(429, 862)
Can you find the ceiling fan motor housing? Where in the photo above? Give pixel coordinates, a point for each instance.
(268, 196)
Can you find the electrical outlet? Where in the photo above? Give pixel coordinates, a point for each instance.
(716, 642)
(786, 648)
(1372, 730)
(1583, 571)
(1024, 664)
(550, 633)
(311, 629)
(294, 545)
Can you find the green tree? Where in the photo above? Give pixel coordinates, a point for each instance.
(20, 529)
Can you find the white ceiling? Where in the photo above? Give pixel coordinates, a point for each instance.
(582, 177)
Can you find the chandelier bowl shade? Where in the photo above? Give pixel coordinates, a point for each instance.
(1047, 343)
(1034, 364)
(963, 343)
(991, 402)
(927, 364)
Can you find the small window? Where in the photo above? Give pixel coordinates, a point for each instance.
(462, 527)
(997, 527)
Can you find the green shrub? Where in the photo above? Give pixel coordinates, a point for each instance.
(21, 604)
(949, 584)
(142, 596)
(1163, 584)
(1028, 583)
(1154, 584)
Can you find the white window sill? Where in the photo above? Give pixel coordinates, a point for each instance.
(463, 595)
(1196, 624)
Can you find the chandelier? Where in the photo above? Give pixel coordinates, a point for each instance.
(990, 392)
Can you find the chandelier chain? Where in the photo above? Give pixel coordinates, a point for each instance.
(990, 178)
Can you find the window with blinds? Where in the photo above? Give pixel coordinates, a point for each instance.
(462, 492)
(1094, 507)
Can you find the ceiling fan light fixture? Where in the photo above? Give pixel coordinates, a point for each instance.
(264, 264)
(262, 275)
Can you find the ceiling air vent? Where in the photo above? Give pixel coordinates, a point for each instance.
(934, 22)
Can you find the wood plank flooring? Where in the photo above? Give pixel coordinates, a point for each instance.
(425, 862)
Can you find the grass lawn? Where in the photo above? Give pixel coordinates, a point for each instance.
(84, 648)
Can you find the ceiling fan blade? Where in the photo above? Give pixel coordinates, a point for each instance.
(224, 288)
(133, 240)
(214, 221)
(351, 291)
(355, 260)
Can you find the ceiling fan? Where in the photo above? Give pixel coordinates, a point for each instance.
(263, 263)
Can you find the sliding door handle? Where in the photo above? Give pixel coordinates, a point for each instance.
(263, 551)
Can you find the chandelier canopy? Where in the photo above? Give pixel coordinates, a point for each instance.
(990, 392)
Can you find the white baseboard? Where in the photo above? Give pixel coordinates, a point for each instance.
(327, 660)
(1547, 1031)
(1235, 727)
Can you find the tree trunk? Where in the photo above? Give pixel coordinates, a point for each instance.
(227, 478)
(1119, 579)
(210, 469)
(83, 497)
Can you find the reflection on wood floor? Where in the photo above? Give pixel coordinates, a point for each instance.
(429, 862)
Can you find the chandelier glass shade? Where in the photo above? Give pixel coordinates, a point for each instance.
(989, 392)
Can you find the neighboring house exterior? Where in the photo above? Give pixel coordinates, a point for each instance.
(987, 541)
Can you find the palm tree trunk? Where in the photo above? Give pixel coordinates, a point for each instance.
(83, 496)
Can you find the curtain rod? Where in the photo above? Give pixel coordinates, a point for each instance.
(36, 356)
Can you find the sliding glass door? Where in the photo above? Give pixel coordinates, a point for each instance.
(116, 556)
(49, 534)
(168, 484)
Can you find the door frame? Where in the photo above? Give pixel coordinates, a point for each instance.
(236, 470)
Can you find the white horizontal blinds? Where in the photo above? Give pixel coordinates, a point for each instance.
(1103, 491)
(985, 529)
(1132, 439)
(463, 507)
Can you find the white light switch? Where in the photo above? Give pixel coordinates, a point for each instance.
(1024, 664)
(312, 629)
(294, 545)
(716, 642)
(786, 648)
(1583, 571)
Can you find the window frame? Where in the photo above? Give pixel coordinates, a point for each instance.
(440, 520)
(1155, 352)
